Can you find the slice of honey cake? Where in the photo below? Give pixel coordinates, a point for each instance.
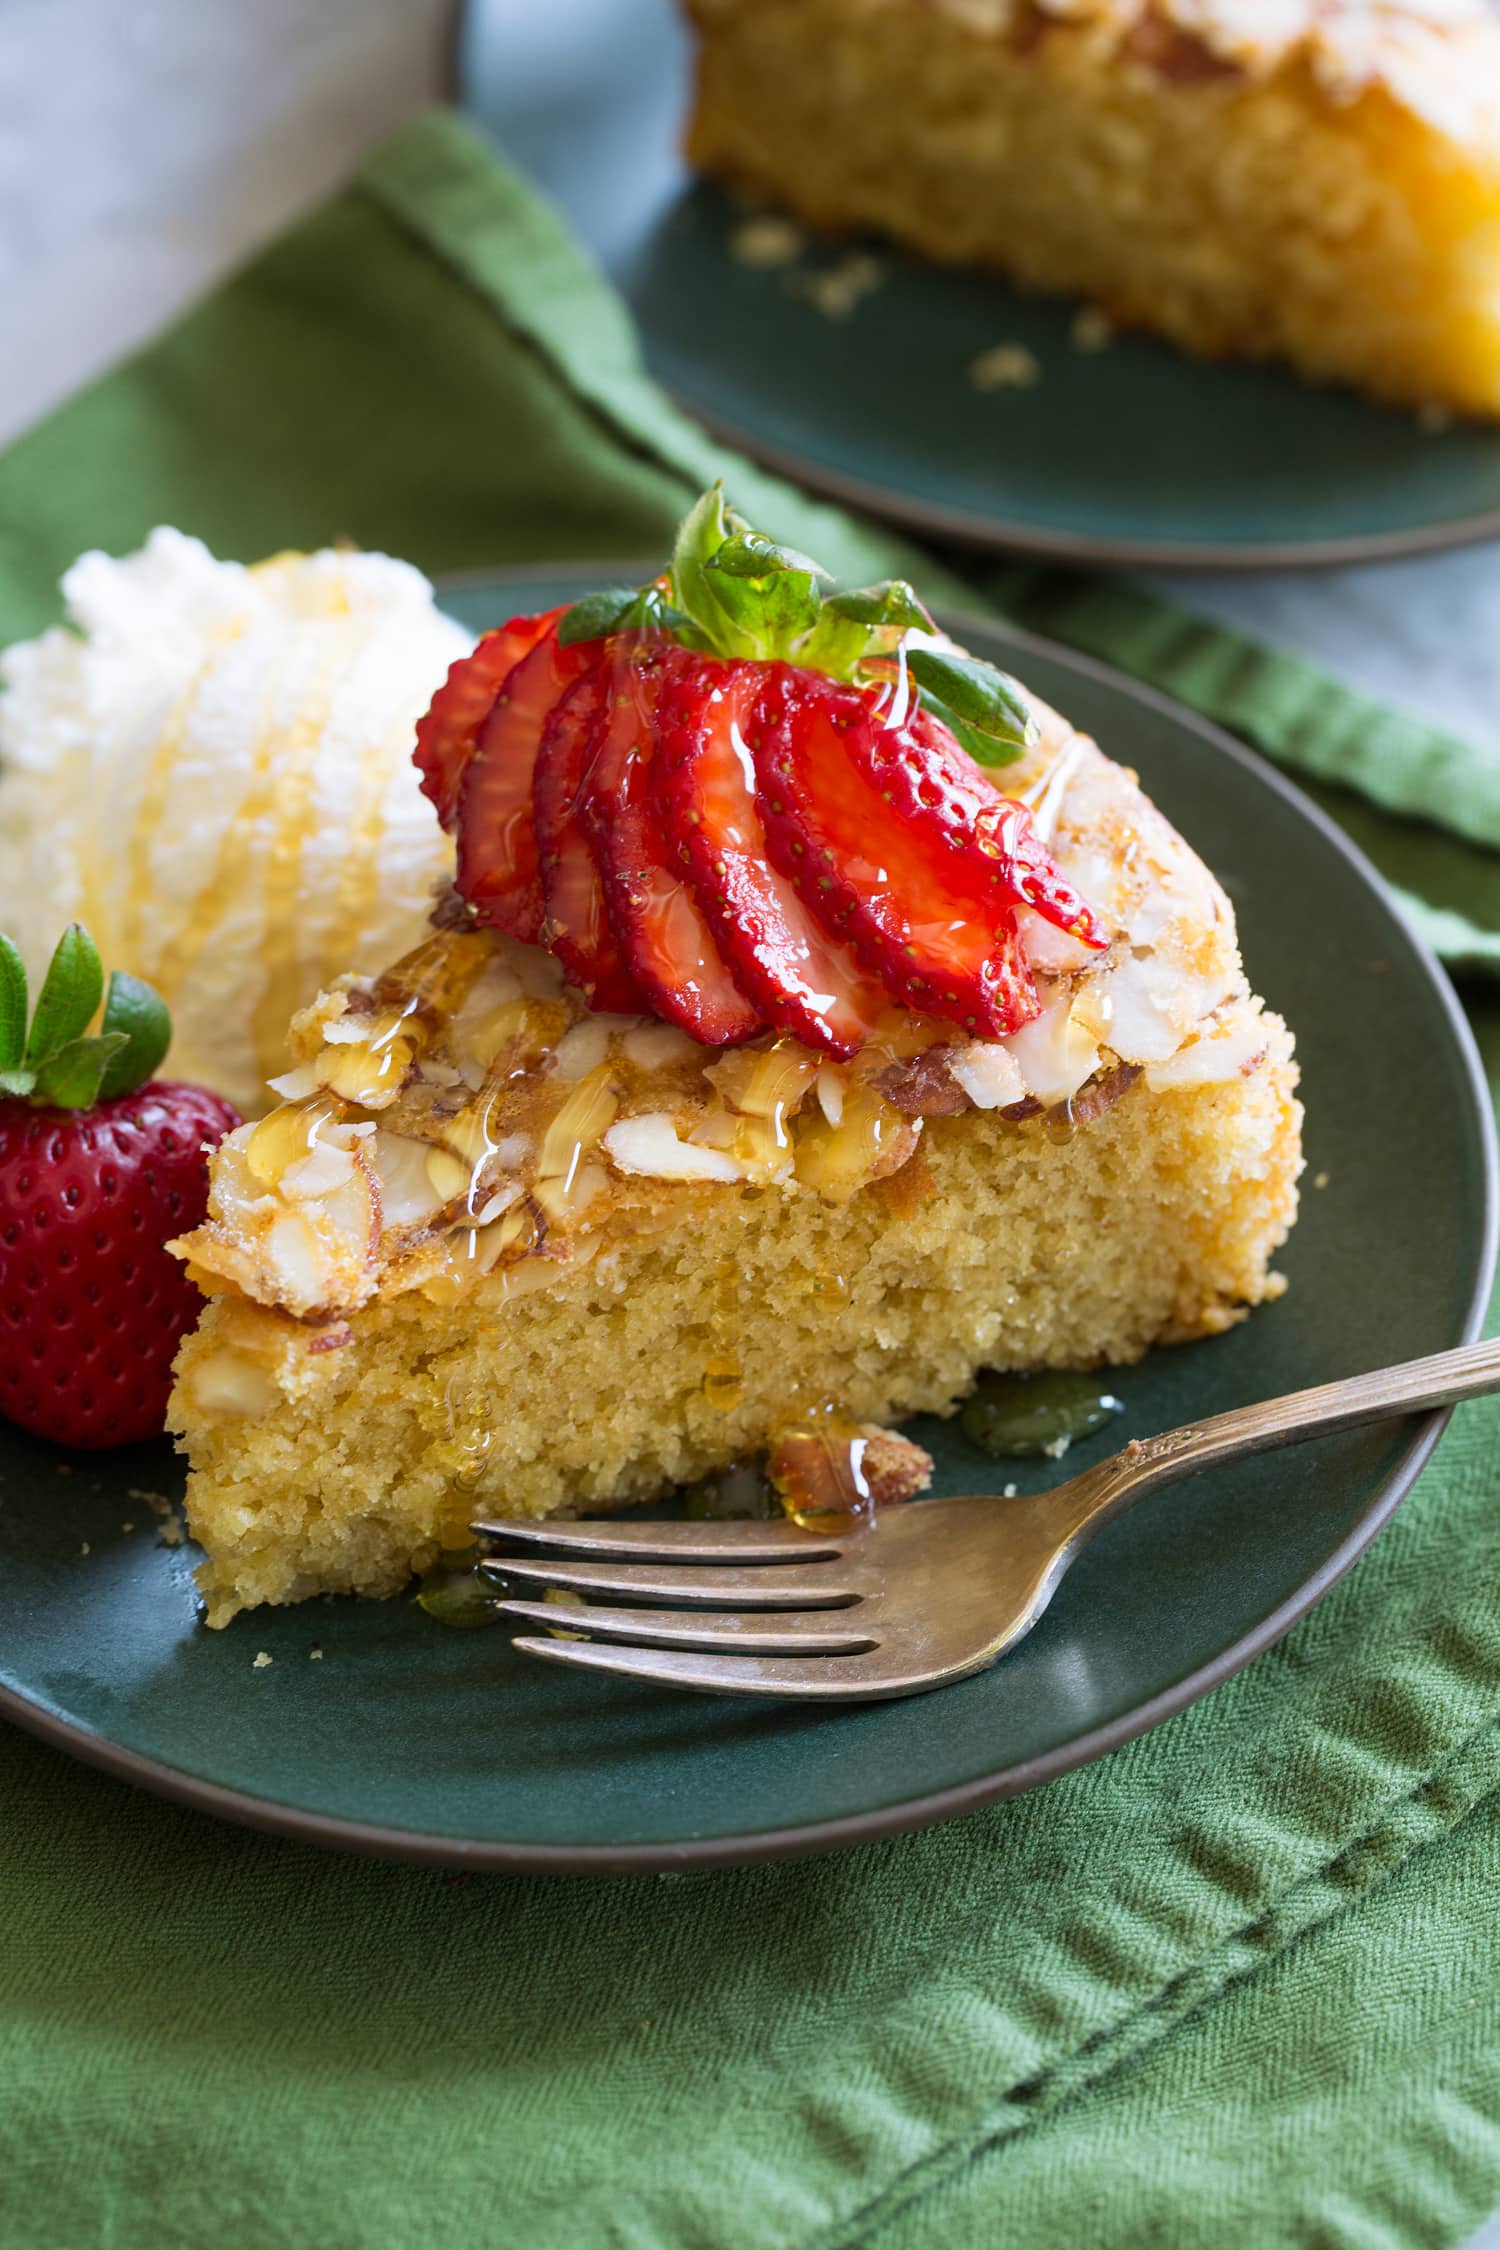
(1315, 180)
(767, 1059)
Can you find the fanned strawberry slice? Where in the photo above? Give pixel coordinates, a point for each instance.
(926, 775)
(576, 926)
(704, 789)
(656, 919)
(922, 911)
(449, 729)
(497, 860)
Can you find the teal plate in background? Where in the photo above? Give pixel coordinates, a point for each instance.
(406, 1739)
(1134, 454)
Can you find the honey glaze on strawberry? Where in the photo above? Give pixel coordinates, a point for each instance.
(744, 808)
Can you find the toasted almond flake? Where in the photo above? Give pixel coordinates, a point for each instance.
(370, 1073)
(649, 1146)
(304, 1273)
(576, 1128)
(295, 1085)
(449, 1176)
(323, 1169)
(500, 1201)
(581, 1050)
(225, 1382)
(1220, 1055)
(539, 974)
(830, 1091)
(656, 1046)
(988, 1073)
(1154, 1005)
(1055, 1053)
(408, 1197)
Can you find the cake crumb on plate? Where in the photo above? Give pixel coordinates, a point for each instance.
(1005, 367)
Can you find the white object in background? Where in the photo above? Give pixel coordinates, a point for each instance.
(144, 150)
(211, 767)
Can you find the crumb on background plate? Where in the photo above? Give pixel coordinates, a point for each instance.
(836, 290)
(1006, 367)
(1092, 330)
(766, 241)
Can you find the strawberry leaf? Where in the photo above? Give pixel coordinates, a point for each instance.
(70, 996)
(890, 604)
(979, 703)
(700, 535)
(72, 1074)
(626, 609)
(836, 645)
(769, 597)
(12, 1007)
(750, 554)
(138, 1012)
(595, 615)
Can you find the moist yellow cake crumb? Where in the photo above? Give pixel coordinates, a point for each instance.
(1317, 181)
(1155, 1221)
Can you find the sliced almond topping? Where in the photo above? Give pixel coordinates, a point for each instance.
(988, 1073)
(649, 1146)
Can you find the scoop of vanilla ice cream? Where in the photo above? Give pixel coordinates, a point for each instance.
(210, 766)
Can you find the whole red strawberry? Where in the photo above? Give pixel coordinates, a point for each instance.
(100, 1165)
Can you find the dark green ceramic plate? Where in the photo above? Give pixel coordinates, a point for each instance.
(1134, 454)
(406, 1738)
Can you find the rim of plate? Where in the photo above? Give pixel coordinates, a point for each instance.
(375, 1840)
(1003, 535)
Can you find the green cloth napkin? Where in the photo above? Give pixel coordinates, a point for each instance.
(1239, 1983)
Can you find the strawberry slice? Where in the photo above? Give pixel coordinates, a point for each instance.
(449, 729)
(892, 885)
(926, 775)
(577, 927)
(704, 787)
(497, 860)
(659, 925)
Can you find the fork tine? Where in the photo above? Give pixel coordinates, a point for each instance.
(819, 1586)
(827, 1679)
(669, 1542)
(792, 1634)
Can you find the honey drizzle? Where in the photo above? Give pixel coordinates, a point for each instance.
(231, 861)
(155, 796)
(817, 1466)
(291, 793)
(358, 886)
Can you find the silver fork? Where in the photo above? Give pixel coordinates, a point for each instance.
(907, 1600)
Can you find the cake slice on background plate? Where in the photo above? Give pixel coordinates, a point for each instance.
(1309, 180)
(768, 1068)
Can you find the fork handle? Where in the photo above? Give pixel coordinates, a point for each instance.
(1143, 1466)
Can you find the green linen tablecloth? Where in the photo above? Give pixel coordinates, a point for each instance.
(1239, 1983)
